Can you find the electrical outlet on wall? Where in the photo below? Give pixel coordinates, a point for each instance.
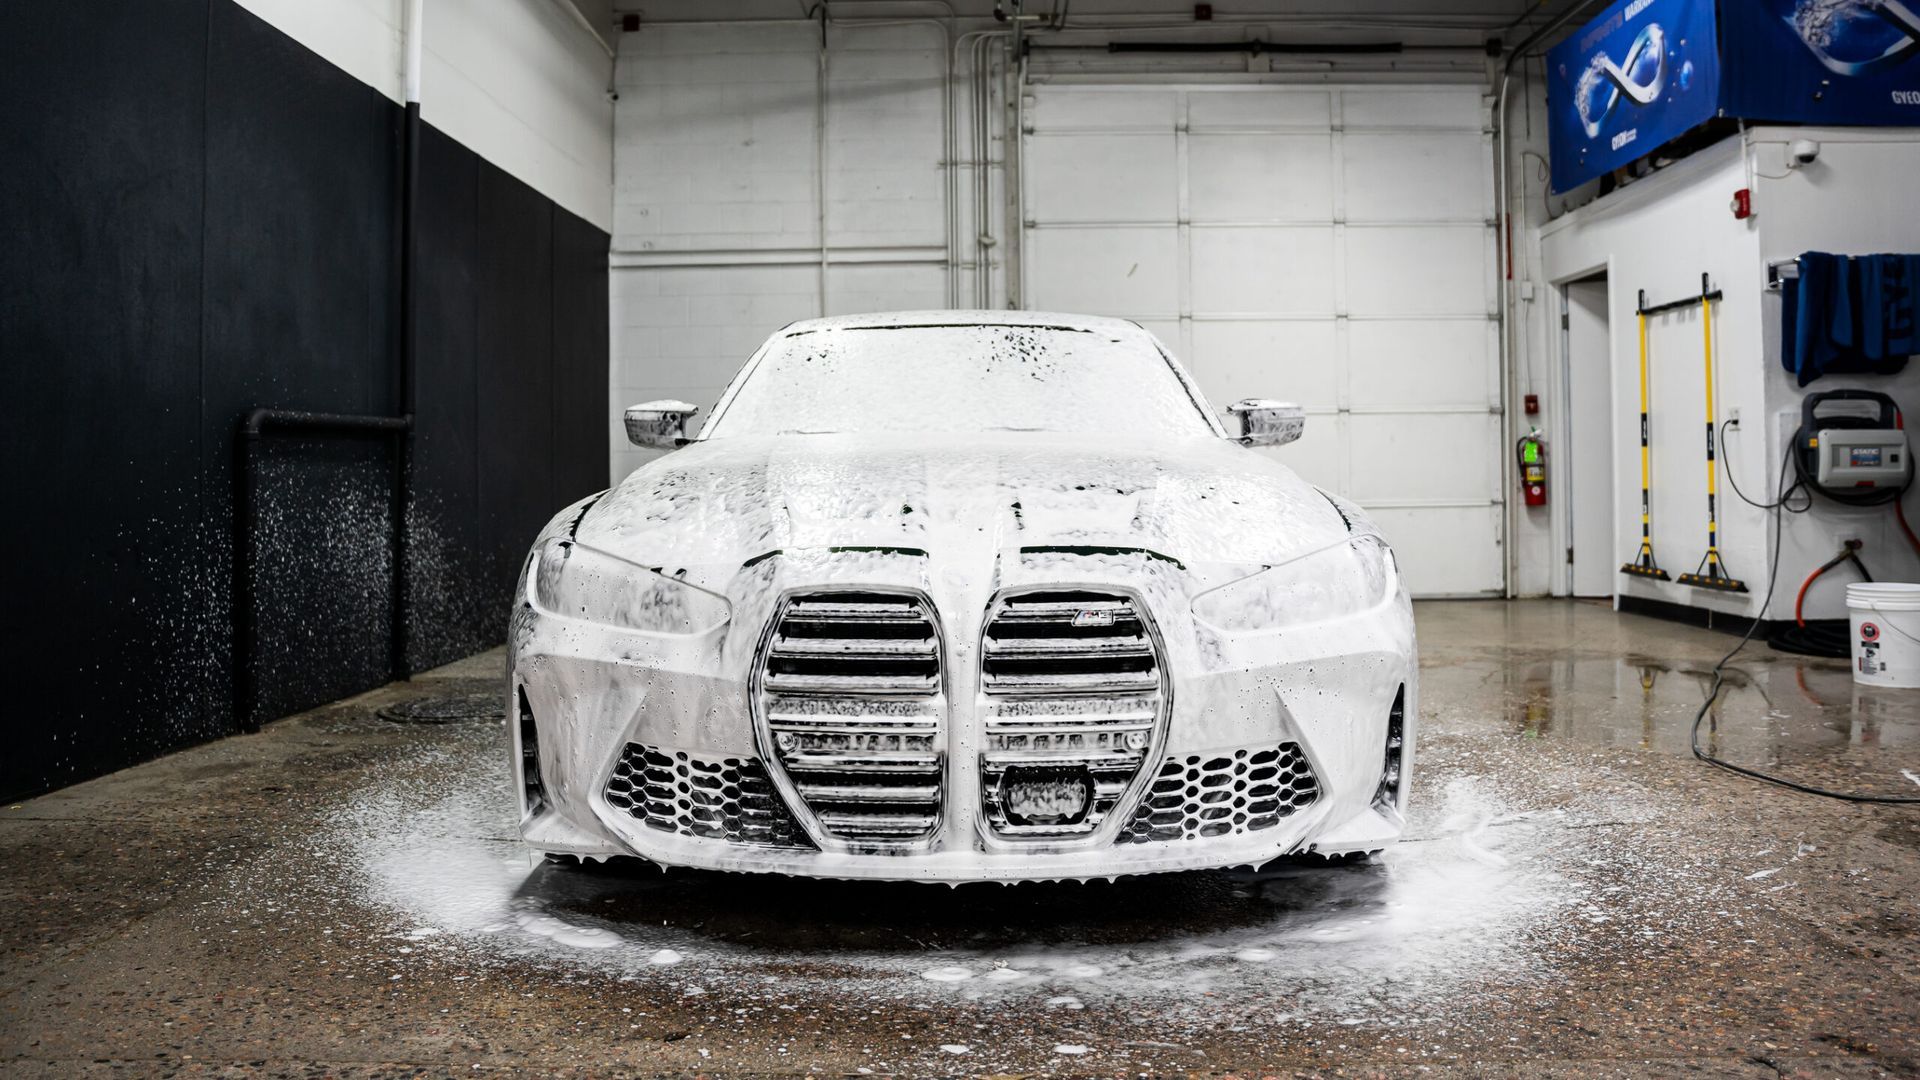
(1733, 416)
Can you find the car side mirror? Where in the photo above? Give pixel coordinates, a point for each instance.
(659, 425)
(1267, 423)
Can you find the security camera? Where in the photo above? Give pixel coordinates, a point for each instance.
(1802, 152)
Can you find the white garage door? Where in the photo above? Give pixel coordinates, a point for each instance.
(1327, 246)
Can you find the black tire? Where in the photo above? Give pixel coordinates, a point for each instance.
(614, 866)
(1345, 858)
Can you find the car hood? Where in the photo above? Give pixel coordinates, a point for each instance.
(731, 501)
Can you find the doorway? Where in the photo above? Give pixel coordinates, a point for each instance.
(1585, 474)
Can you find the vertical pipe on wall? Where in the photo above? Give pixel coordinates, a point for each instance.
(1015, 181)
(820, 160)
(972, 43)
(416, 21)
(402, 606)
(1503, 253)
(952, 152)
(982, 170)
(1016, 58)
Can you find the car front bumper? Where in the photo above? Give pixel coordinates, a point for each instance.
(599, 709)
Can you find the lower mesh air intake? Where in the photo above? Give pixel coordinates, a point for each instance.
(711, 798)
(1207, 795)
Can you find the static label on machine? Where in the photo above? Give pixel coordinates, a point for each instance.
(1863, 455)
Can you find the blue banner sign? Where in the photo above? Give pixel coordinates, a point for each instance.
(1822, 61)
(1640, 74)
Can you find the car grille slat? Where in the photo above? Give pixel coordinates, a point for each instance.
(848, 683)
(875, 826)
(1023, 648)
(850, 695)
(1089, 682)
(912, 794)
(851, 763)
(1072, 688)
(867, 647)
(842, 725)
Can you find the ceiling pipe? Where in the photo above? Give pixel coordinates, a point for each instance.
(1255, 47)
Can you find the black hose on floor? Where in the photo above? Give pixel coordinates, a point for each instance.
(1827, 638)
(1720, 673)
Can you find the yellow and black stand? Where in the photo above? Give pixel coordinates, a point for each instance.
(1710, 574)
(1643, 564)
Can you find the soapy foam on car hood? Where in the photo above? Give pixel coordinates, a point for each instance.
(733, 500)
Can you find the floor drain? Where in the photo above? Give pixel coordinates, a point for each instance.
(454, 709)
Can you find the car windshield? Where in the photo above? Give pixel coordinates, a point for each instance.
(951, 379)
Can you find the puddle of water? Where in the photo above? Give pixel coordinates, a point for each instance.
(1772, 710)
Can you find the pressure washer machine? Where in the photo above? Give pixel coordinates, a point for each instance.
(1851, 458)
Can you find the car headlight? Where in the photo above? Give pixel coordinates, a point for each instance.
(575, 581)
(1345, 579)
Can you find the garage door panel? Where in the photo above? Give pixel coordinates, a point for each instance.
(1420, 457)
(1289, 360)
(1240, 110)
(1132, 273)
(1334, 252)
(1417, 270)
(1421, 362)
(1280, 270)
(1460, 109)
(1254, 178)
(1137, 175)
(1076, 109)
(1444, 551)
(1403, 177)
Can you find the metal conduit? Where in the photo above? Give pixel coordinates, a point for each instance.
(262, 423)
(259, 424)
(1502, 247)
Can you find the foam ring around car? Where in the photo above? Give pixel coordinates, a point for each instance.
(1035, 795)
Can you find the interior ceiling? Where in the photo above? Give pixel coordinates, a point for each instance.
(1462, 15)
(599, 15)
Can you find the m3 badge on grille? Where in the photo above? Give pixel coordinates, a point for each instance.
(1093, 617)
(1046, 796)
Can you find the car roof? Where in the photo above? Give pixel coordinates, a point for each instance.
(894, 319)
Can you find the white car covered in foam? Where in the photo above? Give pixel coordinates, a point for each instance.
(962, 596)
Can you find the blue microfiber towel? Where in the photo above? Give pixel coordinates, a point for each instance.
(1850, 315)
(1888, 309)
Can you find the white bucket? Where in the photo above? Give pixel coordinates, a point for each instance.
(1885, 618)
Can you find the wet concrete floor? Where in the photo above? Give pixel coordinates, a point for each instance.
(341, 895)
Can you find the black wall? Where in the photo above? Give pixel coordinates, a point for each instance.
(198, 216)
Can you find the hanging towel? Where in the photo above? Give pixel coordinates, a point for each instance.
(1887, 308)
(1850, 315)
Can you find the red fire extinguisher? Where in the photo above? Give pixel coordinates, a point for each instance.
(1532, 452)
